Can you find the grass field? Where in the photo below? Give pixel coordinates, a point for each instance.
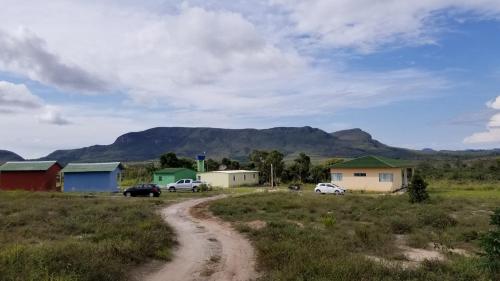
(313, 237)
(472, 189)
(56, 236)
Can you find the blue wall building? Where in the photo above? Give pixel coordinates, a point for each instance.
(92, 177)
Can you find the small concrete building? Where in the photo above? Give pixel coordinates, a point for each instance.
(30, 175)
(232, 178)
(170, 175)
(372, 173)
(92, 177)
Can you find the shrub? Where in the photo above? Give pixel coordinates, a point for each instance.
(204, 187)
(329, 220)
(400, 226)
(437, 219)
(417, 190)
(490, 242)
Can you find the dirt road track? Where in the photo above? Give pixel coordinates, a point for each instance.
(209, 249)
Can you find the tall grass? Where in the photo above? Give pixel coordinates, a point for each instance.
(47, 236)
(313, 237)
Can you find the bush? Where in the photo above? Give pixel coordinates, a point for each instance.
(491, 245)
(438, 219)
(400, 226)
(417, 190)
(329, 220)
(204, 187)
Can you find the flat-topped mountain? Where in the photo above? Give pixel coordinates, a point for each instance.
(233, 143)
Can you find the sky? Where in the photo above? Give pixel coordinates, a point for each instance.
(415, 74)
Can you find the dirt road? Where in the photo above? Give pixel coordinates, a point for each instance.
(209, 249)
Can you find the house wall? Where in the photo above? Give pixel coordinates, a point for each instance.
(226, 180)
(31, 180)
(167, 178)
(371, 181)
(163, 179)
(91, 181)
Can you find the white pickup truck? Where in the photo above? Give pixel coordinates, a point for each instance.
(184, 184)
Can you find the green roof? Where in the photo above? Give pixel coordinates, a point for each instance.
(171, 170)
(19, 166)
(91, 167)
(373, 162)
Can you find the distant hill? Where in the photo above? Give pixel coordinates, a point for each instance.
(6, 155)
(233, 143)
(238, 143)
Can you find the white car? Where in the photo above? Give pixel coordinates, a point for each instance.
(329, 188)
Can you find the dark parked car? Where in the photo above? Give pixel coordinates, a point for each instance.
(151, 190)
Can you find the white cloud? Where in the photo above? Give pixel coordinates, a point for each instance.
(495, 104)
(367, 25)
(17, 99)
(492, 133)
(216, 63)
(26, 54)
(52, 115)
(205, 60)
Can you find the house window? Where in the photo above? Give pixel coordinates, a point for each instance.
(385, 177)
(337, 176)
(360, 174)
(244, 177)
(254, 176)
(234, 178)
(160, 178)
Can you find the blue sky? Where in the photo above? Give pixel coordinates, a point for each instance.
(417, 75)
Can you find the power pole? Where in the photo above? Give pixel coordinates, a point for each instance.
(272, 177)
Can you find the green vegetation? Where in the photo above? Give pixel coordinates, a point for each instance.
(313, 237)
(50, 236)
(465, 188)
(491, 244)
(417, 190)
(459, 170)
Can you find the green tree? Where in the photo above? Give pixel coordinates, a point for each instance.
(303, 163)
(169, 160)
(186, 163)
(319, 173)
(226, 162)
(212, 165)
(230, 164)
(490, 242)
(262, 161)
(418, 189)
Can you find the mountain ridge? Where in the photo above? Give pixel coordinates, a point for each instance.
(234, 143)
(6, 155)
(238, 143)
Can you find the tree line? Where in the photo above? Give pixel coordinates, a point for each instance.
(300, 170)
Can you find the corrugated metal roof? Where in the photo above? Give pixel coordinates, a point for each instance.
(91, 167)
(171, 170)
(373, 162)
(13, 166)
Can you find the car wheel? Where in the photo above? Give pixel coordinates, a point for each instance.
(128, 194)
(151, 194)
(318, 191)
(195, 189)
(172, 189)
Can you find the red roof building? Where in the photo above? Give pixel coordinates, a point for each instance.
(30, 175)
